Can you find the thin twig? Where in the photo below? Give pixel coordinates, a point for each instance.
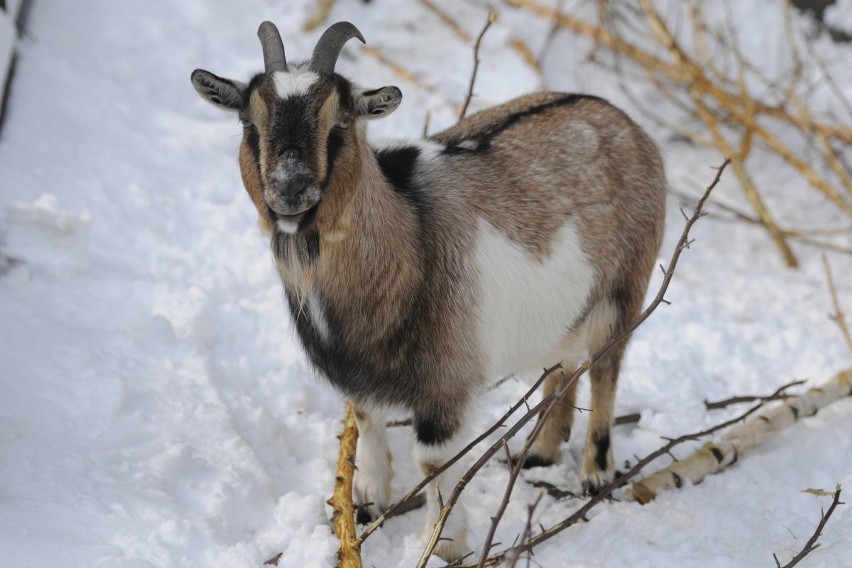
(492, 16)
(812, 543)
(607, 490)
(447, 20)
(838, 316)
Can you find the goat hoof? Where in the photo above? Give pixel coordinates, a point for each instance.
(593, 484)
(534, 460)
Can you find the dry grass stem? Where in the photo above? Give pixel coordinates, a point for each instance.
(398, 69)
(318, 18)
(447, 20)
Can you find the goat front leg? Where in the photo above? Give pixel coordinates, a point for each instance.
(441, 434)
(373, 470)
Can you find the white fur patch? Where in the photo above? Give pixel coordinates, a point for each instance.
(317, 316)
(373, 463)
(293, 84)
(287, 226)
(527, 306)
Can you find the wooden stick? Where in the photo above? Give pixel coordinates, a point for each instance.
(343, 517)
(714, 457)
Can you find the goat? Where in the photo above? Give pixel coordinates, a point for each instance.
(415, 272)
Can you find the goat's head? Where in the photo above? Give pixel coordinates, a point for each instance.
(301, 134)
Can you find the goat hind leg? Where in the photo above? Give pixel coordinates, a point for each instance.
(440, 436)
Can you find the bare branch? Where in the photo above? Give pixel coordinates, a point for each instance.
(838, 316)
(492, 16)
(812, 543)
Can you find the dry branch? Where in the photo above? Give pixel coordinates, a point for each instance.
(447, 20)
(343, 515)
(323, 7)
(492, 16)
(713, 457)
(722, 102)
(838, 316)
(398, 69)
(812, 543)
(605, 492)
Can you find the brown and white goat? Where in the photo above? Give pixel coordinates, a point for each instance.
(417, 272)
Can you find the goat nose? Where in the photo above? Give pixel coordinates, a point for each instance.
(293, 186)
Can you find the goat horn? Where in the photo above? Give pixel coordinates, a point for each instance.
(273, 47)
(329, 45)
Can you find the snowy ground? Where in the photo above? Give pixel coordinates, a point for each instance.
(155, 409)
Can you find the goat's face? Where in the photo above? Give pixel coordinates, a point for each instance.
(301, 141)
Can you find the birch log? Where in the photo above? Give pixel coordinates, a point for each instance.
(715, 456)
(343, 517)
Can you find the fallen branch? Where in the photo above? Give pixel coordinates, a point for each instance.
(605, 492)
(713, 457)
(812, 543)
(343, 515)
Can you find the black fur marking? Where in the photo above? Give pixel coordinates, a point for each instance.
(534, 460)
(398, 165)
(795, 412)
(601, 451)
(306, 245)
(432, 431)
(482, 139)
(292, 128)
(363, 516)
(717, 453)
(332, 150)
(678, 480)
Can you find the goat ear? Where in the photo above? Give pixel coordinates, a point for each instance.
(378, 102)
(224, 93)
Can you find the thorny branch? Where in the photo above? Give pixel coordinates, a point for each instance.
(606, 491)
(812, 543)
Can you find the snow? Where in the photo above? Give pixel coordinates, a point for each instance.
(155, 407)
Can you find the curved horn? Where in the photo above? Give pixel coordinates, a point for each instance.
(273, 47)
(329, 45)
